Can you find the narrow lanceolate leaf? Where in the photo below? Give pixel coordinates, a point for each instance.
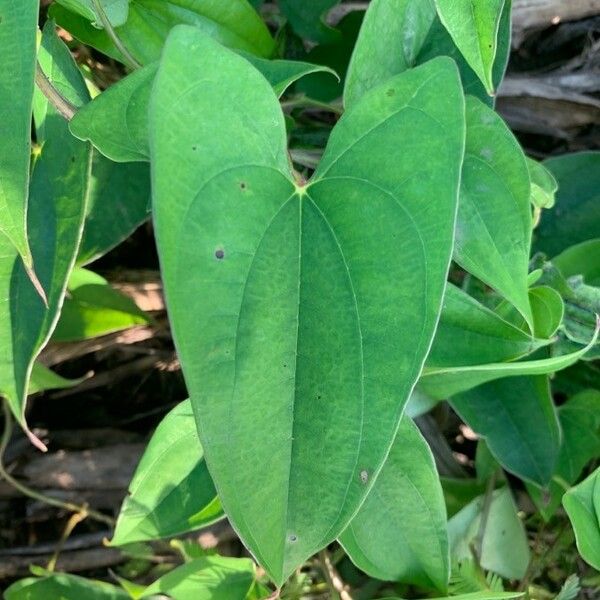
(171, 492)
(116, 121)
(58, 195)
(18, 27)
(493, 231)
(470, 334)
(399, 533)
(390, 38)
(473, 25)
(582, 504)
(517, 419)
(292, 305)
(444, 382)
(234, 23)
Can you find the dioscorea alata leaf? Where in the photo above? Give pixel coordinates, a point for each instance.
(300, 311)
(399, 533)
(493, 230)
(171, 492)
(390, 38)
(18, 27)
(58, 196)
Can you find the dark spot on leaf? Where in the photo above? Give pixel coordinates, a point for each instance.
(285, 366)
(364, 476)
(194, 148)
(220, 254)
(243, 185)
(319, 397)
(293, 538)
(72, 159)
(391, 92)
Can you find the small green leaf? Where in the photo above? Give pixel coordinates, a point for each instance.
(493, 230)
(295, 287)
(543, 185)
(235, 24)
(440, 43)
(582, 504)
(43, 379)
(18, 27)
(504, 548)
(470, 333)
(58, 196)
(306, 18)
(208, 578)
(518, 421)
(548, 311)
(581, 259)
(580, 424)
(171, 492)
(478, 596)
(390, 38)
(575, 218)
(61, 586)
(474, 25)
(119, 202)
(116, 121)
(93, 308)
(406, 503)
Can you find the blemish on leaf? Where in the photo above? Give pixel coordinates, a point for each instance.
(364, 476)
(194, 148)
(220, 253)
(293, 538)
(243, 185)
(391, 92)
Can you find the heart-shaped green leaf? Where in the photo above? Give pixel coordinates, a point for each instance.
(304, 311)
(406, 503)
(58, 196)
(18, 27)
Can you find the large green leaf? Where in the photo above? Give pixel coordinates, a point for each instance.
(517, 419)
(18, 27)
(575, 217)
(504, 547)
(485, 595)
(580, 424)
(444, 382)
(61, 586)
(171, 492)
(208, 578)
(93, 308)
(58, 196)
(493, 230)
(234, 23)
(119, 202)
(474, 26)
(470, 333)
(308, 302)
(399, 533)
(116, 121)
(440, 43)
(583, 507)
(390, 38)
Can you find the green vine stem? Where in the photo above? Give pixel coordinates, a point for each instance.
(33, 494)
